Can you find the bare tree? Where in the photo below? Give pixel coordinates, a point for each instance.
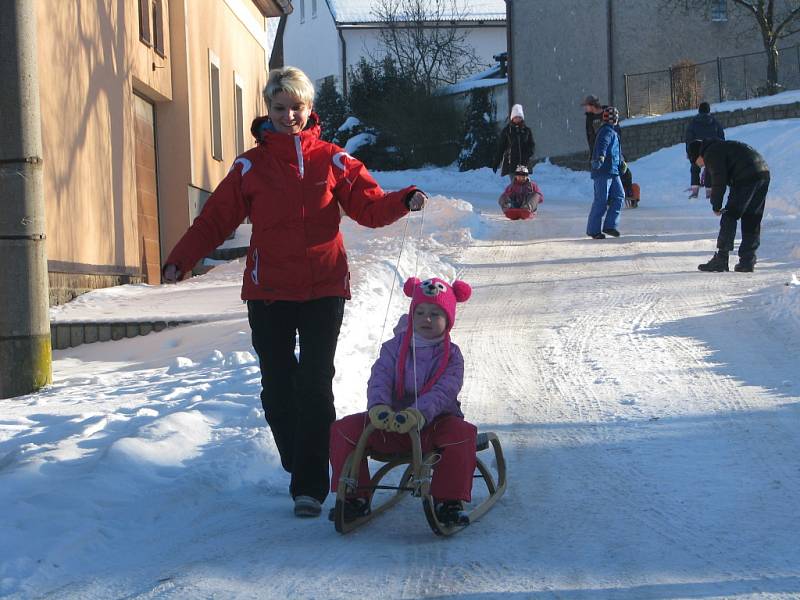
(774, 19)
(426, 40)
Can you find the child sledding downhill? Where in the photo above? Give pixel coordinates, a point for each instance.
(412, 399)
(522, 197)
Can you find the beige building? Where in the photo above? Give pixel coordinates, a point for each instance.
(145, 104)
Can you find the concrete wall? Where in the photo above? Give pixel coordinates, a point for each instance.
(561, 52)
(645, 138)
(642, 139)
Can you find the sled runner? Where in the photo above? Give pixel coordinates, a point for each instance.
(516, 214)
(416, 480)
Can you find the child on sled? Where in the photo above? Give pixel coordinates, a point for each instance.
(415, 384)
(522, 194)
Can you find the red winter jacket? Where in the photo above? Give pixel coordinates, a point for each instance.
(291, 187)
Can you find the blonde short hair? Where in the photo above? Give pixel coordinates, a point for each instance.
(290, 80)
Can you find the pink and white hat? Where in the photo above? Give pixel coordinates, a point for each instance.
(431, 291)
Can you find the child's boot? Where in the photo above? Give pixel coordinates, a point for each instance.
(354, 508)
(717, 264)
(451, 512)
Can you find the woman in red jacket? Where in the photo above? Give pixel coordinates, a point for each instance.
(296, 279)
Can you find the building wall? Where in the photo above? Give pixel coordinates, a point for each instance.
(89, 57)
(313, 44)
(236, 34)
(91, 65)
(561, 52)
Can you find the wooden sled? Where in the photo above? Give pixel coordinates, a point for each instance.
(416, 480)
(516, 214)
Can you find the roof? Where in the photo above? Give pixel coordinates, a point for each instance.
(361, 11)
(274, 8)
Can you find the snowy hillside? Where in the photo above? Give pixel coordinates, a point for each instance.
(649, 415)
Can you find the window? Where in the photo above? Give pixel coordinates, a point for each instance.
(238, 107)
(144, 22)
(719, 10)
(313, 9)
(151, 24)
(158, 27)
(216, 112)
(302, 11)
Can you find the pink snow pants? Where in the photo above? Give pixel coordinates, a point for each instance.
(453, 436)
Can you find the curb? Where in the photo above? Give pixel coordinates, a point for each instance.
(69, 335)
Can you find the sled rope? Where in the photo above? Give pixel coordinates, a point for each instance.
(413, 340)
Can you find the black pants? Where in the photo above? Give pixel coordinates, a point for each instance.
(694, 174)
(297, 395)
(745, 202)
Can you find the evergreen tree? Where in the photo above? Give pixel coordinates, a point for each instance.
(331, 108)
(480, 132)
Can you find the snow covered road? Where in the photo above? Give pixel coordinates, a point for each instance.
(649, 415)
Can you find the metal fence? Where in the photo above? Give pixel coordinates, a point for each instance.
(684, 85)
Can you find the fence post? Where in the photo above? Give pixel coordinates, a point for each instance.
(746, 87)
(719, 79)
(627, 99)
(671, 91)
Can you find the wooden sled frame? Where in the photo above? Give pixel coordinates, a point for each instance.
(416, 480)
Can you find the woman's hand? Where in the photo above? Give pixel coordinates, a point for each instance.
(415, 201)
(171, 273)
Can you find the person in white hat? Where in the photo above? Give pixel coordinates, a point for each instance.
(516, 145)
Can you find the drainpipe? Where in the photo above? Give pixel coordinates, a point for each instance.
(610, 35)
(510, 54)
(344, 61)
(25, 352)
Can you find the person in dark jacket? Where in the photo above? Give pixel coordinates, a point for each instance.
(702, 127)
(738, 166)
(594, 120)
(293, 187)
(516, 145)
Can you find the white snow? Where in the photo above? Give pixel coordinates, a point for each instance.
(648, 413)
(787, 97)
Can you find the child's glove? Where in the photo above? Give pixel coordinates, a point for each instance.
(623, 168)
(406, 420)
(381, 416)
(596, 164)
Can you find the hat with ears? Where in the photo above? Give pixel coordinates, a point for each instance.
(439, 292)
(431, 291)
(516, 111)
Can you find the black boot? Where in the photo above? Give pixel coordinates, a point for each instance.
(451, 512)
(745, 265)
(717, 264)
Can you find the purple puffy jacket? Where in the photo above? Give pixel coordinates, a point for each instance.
(441, 399)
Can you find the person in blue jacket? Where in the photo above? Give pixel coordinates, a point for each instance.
(702, 127)
(607, 165)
